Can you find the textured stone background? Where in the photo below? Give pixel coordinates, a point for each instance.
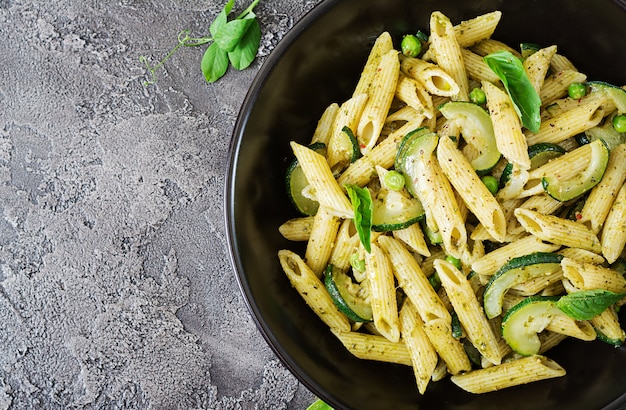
(115, 285)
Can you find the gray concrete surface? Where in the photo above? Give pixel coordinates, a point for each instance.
(115, 285)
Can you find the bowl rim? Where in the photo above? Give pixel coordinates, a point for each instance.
(240, 126)
(265, 70)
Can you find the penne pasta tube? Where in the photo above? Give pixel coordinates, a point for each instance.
(382, 293)
(324, 125)
(447, 51)
(476, 67)
(320, 245)
(555, 85)
(412, 92)
(450, 349)
(589, 276)
(578, 329)
(312, 290)
(432, 77)
(382, 45)
(381, 93)
(348, 116)
(423, 355)
(586, 115)
(509, 374)
(412, 280)
(613, 236)
(537, 65)
(607, 324)
(297, 229)
(471, 189)
(346, 244)
(602, 196)
(507, 128)
(374, 347)
(558, 230)
(413, 237)
(491, 262)
(321, 178)
(469, 311)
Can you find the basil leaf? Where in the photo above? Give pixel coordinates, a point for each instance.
(586, 304)
(515, 80)
(214, 63)
(363, 207)
(245, 51)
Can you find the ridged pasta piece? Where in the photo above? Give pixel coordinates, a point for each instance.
(509, 374)
(558, 230)
(312, 290)
(469, 311)
(382, 293)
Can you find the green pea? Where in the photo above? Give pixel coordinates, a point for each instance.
(491, 183)
(455, 261)
(619, 123)
(577, 90)
(357, 263)
(411, 45)
(478, 96)
(394, 180)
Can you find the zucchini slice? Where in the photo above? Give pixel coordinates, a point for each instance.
(583, 182)
(617, 94)
(477, 131)
(517, 270)
(606, 132)
(419, 147)
(297, 184)
(524, 321)
(347, 295)
(395, 210)
(348, 149)
(539, 154)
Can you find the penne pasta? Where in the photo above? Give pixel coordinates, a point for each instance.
(311, 289)
(509, 374)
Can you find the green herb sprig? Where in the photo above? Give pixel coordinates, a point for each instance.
(584, 305)
(235, 42)
(516, 82)
(361, 200)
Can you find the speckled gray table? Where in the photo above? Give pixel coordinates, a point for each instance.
(115, 286)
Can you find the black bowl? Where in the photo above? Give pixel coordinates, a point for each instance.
(318, 62)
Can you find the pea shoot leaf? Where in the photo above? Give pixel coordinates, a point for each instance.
(361, 200)
(245, 51)
(585, 304)
(233, 42)
(511, 72)
(231, 34)
(214, 63)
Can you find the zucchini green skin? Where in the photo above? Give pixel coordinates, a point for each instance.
(514, 272)
(343, 292)
(617, 94)
(406, 149)
(524, 321)
(477, 131)
(394, 210)
(539, 154)
(569, 189)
